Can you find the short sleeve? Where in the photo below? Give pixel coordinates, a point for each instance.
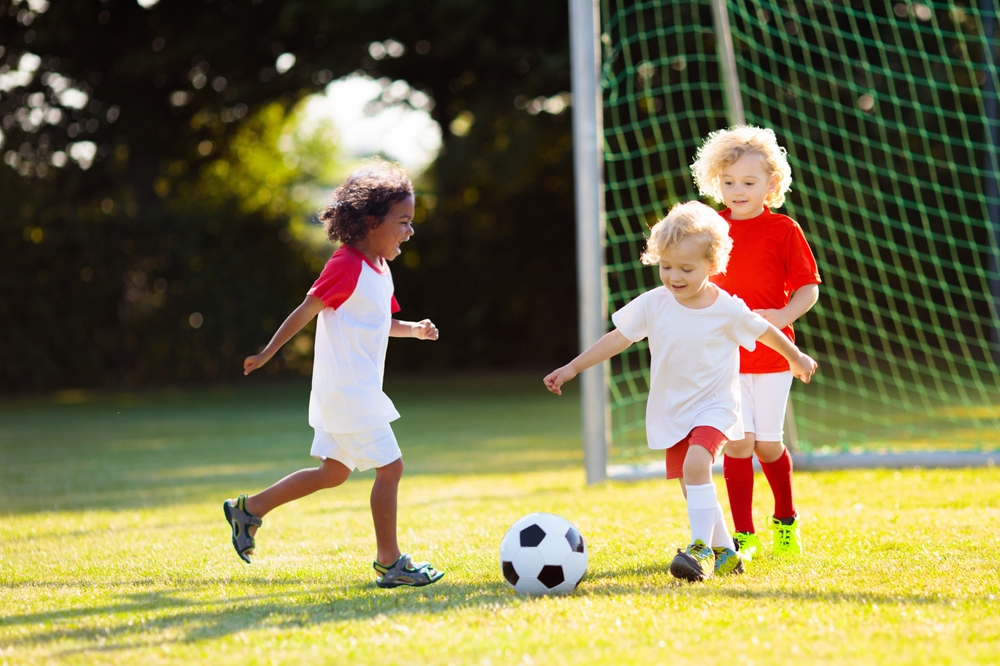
(631, 319)
(800, 261)
(338, 279)
(395, 305)
(749, 326)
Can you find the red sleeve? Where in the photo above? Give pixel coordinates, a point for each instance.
(395, 305)
(801, 265)
(338, 279)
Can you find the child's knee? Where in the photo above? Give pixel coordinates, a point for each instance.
(391, 472)
(333, 473)
(769, 451)
(698, 465)
(741, 448)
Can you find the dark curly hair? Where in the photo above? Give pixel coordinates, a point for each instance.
(371, 190)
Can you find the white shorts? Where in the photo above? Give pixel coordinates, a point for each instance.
(358, 450)
(763, 404)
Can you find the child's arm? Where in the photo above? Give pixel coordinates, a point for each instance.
(802, 366)
(421, 330)
(300, 316)
(612, 343)
(800, 303)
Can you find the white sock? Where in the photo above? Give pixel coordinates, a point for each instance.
(702, 503)
(720, 533)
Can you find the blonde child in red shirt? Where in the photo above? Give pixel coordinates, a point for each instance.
(773, 270)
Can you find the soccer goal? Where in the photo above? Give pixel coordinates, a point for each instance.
(889, 112)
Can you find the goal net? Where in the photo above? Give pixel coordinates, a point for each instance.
(888, 111)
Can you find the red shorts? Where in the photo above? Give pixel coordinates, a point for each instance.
(706, 437)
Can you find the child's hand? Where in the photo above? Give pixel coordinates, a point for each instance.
(555, 379)
(774, 317)
(803, 368)
(253, 362)
(425, 330)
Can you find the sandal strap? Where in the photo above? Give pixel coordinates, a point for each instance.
(249, 519)
(240, 520)
(383, 569)
(405, 572)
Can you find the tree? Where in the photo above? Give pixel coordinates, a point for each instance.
(114, 117)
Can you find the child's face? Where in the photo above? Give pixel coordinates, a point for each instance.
(684, 271)
(745, 186)
(396, 228)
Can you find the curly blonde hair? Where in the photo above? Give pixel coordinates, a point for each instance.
(723, 147)
(371, 191)
(685, 220)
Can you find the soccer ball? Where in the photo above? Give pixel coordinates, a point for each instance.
(543, 554)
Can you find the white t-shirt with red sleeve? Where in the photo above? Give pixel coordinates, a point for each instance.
(694, 362)
(352, 334)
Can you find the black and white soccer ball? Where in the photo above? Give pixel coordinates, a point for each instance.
(543, 553)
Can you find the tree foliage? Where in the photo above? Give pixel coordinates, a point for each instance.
(148, 205)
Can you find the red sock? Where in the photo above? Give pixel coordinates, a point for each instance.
(779, 475)
(738, 473)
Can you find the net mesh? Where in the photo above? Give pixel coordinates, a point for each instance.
(888, 111)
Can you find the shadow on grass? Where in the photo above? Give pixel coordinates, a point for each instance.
(294, 604)
(712, 589)
(139, 449)
(297, 603)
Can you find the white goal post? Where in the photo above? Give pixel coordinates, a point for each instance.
(588, 167)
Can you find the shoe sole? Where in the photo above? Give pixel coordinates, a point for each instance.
(233, 528)
(386, 586)
(681, 568)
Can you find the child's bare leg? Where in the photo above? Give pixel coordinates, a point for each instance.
(698, 466)
(383, 503)
(741, 448)
(298, 484)
(768, 452)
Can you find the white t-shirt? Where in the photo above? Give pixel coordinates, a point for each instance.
(694, 365)
(352, 334)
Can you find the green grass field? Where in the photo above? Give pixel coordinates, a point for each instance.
(113, 548)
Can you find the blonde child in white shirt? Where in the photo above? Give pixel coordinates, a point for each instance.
(695, 330)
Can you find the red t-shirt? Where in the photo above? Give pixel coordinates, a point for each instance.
(770, 260)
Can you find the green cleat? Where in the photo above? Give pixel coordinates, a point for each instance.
(748, 544)
(694, 563)
(727, 561)
(787, 541)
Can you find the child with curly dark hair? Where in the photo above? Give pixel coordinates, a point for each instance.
(371, 215)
